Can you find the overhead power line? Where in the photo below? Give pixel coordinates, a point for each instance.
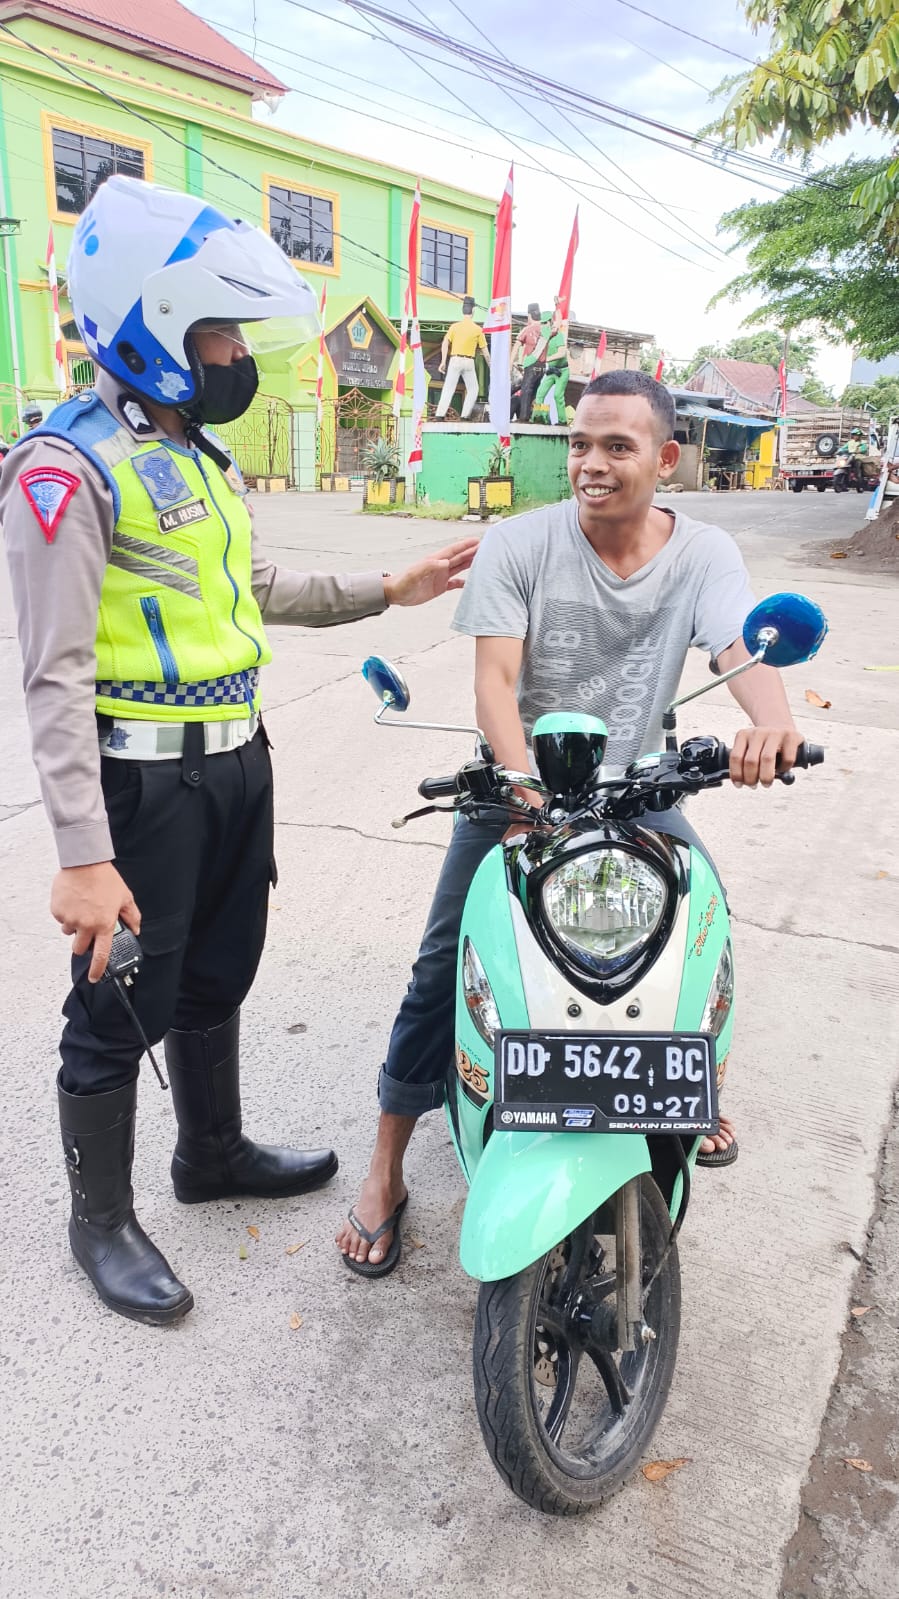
(439, 133)
(504, 133)
(707, 246)
(762, 66)
(601, 110)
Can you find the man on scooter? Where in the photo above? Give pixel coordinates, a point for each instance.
(592, 604)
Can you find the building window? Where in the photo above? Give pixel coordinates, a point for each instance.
(81, 163)
(303, 225)
(444, 260)
(82, 372)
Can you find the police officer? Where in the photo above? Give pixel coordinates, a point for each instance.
(140, 598)
(32, 415)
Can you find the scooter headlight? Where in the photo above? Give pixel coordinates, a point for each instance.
(478, 994)
(604, 906)
(721, 993)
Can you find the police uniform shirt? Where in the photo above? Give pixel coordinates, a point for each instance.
(57, 564)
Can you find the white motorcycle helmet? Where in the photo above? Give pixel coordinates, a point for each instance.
(148, 264)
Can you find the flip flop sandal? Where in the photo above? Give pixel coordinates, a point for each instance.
(392, 1257)
(719, 1157)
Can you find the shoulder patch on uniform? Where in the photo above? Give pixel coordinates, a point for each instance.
(161, 478)
(48, 490)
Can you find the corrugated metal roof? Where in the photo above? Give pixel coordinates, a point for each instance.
(760, 423)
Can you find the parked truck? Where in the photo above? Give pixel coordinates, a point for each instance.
(813, 445)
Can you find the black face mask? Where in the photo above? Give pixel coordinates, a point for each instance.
(228, 391)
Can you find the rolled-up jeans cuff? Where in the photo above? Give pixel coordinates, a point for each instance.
(409, 1099)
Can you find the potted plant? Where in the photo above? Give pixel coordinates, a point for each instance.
(383, 484)
(496, 489)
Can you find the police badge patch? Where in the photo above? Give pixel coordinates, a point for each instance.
(161, 478)
(48, 490)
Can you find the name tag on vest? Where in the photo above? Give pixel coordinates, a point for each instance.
(181, 515)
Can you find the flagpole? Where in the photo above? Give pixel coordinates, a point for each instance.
(399, 384)
(58, 360)
(498, 322)
(319, 378)
(419, 374)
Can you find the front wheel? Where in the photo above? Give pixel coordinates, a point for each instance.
(565, 1412)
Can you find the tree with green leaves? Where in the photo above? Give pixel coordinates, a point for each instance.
(881, 398)
(831, 65)
(812, 259)
(767, 345)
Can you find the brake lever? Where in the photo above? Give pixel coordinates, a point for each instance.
(424, 810)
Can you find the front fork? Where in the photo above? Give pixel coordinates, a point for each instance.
(630, 1293)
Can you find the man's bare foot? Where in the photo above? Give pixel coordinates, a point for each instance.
(381, 1193)
(709, 1146)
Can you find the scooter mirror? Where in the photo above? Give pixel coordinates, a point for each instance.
(388, 682)
(790, 627)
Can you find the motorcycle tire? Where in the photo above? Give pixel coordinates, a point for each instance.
(840, 487)
(519, 1366)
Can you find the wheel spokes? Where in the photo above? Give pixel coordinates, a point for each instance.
(619, 1394)
(566, 1379)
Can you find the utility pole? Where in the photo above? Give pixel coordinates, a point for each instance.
(782, 440)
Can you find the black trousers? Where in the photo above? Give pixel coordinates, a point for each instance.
(530, 383)
(194, 841)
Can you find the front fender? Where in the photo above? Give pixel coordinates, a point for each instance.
(530, 1190)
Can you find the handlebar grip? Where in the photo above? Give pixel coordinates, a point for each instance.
(433, 788)
(809, 755)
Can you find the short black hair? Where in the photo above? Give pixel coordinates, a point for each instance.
(639, 383)
(467, 305)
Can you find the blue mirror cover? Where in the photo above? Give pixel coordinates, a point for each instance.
(387, 681)
(801, 626)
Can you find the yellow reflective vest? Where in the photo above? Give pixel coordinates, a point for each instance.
(179, 633)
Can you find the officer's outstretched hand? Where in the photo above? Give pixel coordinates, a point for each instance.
(431, 577)
(88, 901)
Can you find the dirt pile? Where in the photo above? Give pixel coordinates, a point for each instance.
(875, 547)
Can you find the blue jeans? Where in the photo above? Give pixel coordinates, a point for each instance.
(420, 1052)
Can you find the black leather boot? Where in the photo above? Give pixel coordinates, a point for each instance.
(108, 1242)
(213, 1159)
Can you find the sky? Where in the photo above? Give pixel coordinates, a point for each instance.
(603, 47)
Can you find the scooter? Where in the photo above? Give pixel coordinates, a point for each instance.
(594, 1015)
(852, 473)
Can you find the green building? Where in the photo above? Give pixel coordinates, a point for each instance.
(144, 87)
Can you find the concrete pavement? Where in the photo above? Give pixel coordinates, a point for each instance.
(235, 1458)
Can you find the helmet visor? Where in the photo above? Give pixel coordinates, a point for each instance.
(272, 336)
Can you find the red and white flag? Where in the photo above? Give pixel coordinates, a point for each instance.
(399, 382)
(419, 374)
(564, 297)
(600, 352)
(782, 380)
(660, 369)
(320, 375)
(59, 366)
(498, 322)
(414, 226)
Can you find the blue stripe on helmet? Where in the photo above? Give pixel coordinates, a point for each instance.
(205, 222)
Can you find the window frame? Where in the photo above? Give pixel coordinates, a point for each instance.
(295, 186)
(438, 225)
(50, 122)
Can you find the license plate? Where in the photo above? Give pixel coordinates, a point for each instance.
(606, 1083)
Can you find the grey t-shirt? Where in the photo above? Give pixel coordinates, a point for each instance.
(614, 647)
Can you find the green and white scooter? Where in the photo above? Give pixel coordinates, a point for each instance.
(595, 1002)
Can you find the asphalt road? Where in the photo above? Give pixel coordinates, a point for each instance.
(234, 1457)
